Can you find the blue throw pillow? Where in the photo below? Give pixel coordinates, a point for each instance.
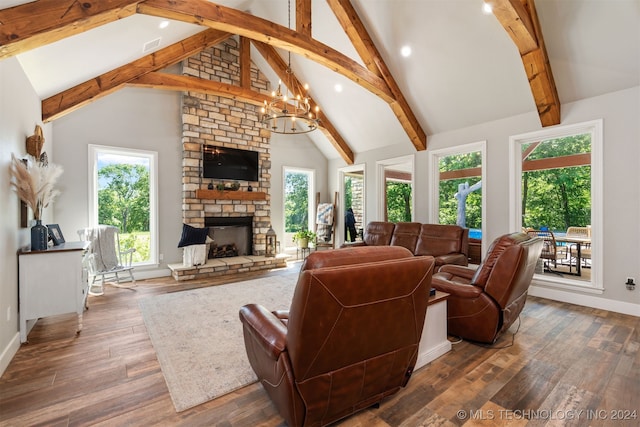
(193, 236)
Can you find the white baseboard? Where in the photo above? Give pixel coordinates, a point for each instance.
(9, 351)
(431, 354)
(623, 307)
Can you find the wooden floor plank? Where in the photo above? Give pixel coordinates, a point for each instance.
(563, 358)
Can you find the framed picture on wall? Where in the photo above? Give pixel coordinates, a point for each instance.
(55, 234)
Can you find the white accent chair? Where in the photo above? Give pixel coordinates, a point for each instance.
(105, 259)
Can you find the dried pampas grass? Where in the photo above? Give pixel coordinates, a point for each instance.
(34, 182)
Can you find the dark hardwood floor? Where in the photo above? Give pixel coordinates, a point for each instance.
(565, 359)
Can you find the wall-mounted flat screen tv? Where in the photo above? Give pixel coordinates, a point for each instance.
(229, 163)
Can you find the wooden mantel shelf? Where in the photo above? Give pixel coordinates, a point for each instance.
(230, 195)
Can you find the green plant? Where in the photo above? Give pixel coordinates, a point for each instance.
(304, 234)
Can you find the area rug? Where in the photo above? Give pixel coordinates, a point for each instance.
(197, 336)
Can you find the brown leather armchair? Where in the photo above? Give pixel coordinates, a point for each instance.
(484, 302)
(350, 338)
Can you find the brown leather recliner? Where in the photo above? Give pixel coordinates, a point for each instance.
(350, 338)
(484, 302)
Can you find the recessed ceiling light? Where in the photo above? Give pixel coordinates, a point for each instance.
(405, 51)
(338, 87)
(487, 9)
(163, 24)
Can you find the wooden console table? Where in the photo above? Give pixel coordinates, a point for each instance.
(52, 282)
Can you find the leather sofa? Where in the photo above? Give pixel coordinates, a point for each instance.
(448, 244)
(350, 338)
(484, 302)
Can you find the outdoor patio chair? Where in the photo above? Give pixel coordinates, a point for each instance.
(105, 259)
(585, 249)
(551, 252)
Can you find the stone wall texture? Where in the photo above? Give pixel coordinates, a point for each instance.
(215, 120)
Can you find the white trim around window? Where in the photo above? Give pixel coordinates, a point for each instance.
(595, 129)
(396, 161)
(152, 156)
(434, 175)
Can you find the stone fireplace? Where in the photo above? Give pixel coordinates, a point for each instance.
(215, 120)
(220, 121)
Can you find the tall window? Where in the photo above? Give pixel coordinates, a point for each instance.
(123, 194)
(557, 185)
(395, 181)
(298, 202)
(457, 196)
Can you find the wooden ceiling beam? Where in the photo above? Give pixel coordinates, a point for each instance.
(245, 62)
(278, 65)
(520, 19)
(42, 22)
(303, 17)
(69, 100)
(366, 48)
(176, 82)
(203, 12)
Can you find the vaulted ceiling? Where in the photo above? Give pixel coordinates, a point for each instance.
(465, 68)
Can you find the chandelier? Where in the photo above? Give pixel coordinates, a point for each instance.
(290, 111)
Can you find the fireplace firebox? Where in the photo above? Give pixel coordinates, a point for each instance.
(232, 236)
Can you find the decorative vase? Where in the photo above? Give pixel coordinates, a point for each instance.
(39, 236)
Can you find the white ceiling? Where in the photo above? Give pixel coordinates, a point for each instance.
(464, 68)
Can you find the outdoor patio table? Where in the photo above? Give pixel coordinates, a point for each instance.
(579, 241)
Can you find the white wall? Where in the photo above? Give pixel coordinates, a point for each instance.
(620, 112)
(137, 118)
(19, 113)
(151, 120)
(294, 151)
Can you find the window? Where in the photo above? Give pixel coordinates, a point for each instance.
(557, 184)
(456, 190)
(123, 193)
(299, 208)
(395, 184)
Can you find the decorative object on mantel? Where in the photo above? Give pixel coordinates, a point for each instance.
(34, 183)
(210, 186)
(290, 112)
(249, 188)
(35, 142)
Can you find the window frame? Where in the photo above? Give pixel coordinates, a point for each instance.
(434, 188)
(595, 129)
(152, 156)
(381, 165)
(311, 203)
